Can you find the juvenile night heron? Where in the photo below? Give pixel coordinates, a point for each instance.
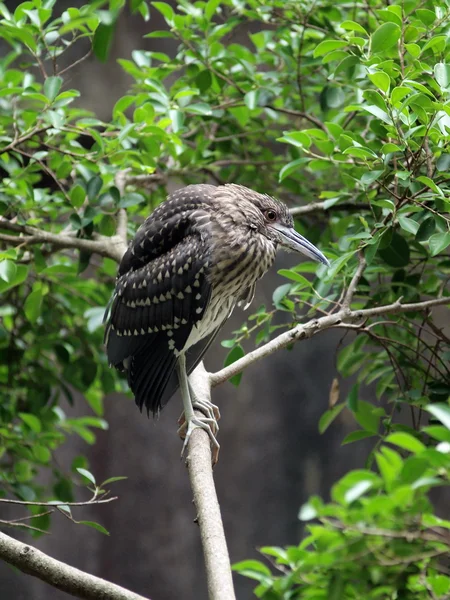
(194, 258)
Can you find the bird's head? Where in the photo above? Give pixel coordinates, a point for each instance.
(273, 220)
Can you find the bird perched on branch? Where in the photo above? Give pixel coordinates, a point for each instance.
(193, 259)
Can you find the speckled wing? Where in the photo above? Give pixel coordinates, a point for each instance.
(162, 291)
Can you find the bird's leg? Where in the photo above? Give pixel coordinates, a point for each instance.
(191, 420)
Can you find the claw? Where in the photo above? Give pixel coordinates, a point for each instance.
(207, 424)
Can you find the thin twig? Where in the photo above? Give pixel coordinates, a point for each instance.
(303, 115)
(354, 282)
(56, 504)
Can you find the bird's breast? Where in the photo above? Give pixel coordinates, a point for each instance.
(234, 270)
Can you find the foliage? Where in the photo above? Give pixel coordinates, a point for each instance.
(343, 105)
(378, 538)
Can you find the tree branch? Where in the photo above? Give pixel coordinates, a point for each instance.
(199, 463)
(320, 206)
(354, 282)
(307, 330)
(111, 247)
(303, 115)
(59, 575)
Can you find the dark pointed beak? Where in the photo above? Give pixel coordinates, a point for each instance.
(292, 240)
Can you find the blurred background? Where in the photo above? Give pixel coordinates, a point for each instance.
(272, 455)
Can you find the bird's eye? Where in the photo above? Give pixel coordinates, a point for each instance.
(270, 215)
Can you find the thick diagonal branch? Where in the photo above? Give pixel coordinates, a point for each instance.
(60, 575)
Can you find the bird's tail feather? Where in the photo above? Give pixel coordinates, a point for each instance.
(149, 373)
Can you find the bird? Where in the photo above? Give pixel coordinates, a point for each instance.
(197, 256)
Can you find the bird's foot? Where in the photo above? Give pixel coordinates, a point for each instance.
(207, 423)
(210, 410)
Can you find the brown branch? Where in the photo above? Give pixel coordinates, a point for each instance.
(111, 247)
(354, 282)
(24, 138)
(237, 161)
(302, 115)
(77, 62)
(61, 576)
(314, 326)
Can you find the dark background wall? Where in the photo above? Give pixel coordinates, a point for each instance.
(272, 456)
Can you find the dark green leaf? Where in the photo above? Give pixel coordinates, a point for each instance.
(103, 38)
(397, 254)
(235, 354)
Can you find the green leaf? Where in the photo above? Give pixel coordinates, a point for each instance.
(103, 38)
(296, 138)
(177, 118)
(113, 479)
(366, 416)
(428, 17)
(290, 274)
(442, 74)
(441, 411)
(19, 277)
(87, 474)
(328, 46)
(353, 26)
(307, 512)
(426, 229)
(253, 569)
(77, 195)
(131, 199)
(211, 8)
(94, 525)
(439, 242)
(52, 85)
(41, 453)
(33, 304)
(8, 270)
(443, 163)
(357, 490)
(166, 10)
(397, 254)
(94, 318)
(381, 80)
(292, 167)
(93, 187)
(386, 36)
(406, 441)
(235, 354)
(355, 436)
(408, 224)
(329, 416)
(32, 421)
(430, 183)
(353, 485)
